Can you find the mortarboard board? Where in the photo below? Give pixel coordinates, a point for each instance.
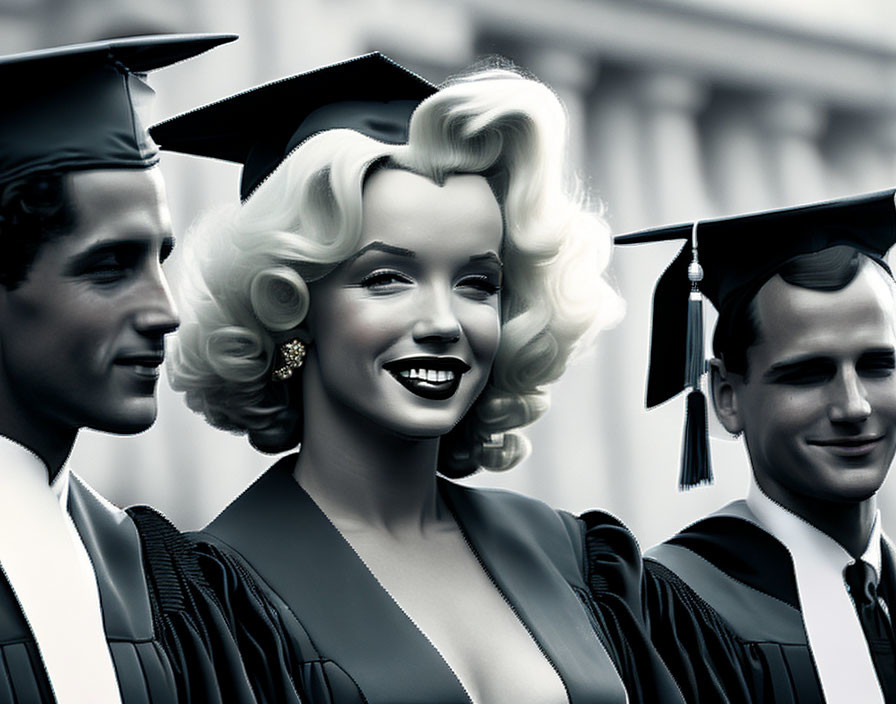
(260, 127)
(728, 259)
(78, 106)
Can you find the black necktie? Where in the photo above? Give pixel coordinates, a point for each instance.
(860, 581)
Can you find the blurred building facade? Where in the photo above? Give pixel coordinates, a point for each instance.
(679, 109)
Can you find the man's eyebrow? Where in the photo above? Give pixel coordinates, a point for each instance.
(879, 352)
(381, 247)
(879, 355)
(103, 247)
(796, 363)
(98, 249)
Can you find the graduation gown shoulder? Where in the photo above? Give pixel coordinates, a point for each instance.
(314, 623)
(189, 622)
(613, 575)
(723, 611)
(163, 652)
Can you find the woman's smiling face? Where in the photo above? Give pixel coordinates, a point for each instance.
(404, 332)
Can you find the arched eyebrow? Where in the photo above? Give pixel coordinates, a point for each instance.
(382, 247)
(487, 257)
(379, 246)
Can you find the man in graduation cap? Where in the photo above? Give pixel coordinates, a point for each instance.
(785, 596)
(96, 605)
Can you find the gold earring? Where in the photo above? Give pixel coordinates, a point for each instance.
(293, 353)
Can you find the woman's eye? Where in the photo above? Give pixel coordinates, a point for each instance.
(384, 279)
(482, 285)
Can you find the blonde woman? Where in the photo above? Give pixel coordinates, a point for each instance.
(400, 283)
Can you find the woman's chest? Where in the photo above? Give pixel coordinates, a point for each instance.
(440, 584)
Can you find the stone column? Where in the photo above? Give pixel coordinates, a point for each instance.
(672, 154)
(738, 171)
(572, 77)
(793, 126)
(862, 152)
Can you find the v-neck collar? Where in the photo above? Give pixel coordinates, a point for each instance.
(296, 550)
(528, 553)
(287, 540)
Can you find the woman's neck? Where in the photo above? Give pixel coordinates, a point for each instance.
(364, 476)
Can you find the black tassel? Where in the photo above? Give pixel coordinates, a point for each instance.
(695, 464)
(695, 467)
(694, 357)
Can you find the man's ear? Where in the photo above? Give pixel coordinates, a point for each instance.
(725, 385)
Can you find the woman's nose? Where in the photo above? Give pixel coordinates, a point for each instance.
(436, 319)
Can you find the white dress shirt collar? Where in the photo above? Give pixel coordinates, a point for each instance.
(835, 634)
(13, 452)
(59, 485)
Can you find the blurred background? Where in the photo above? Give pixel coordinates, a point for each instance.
(679, 108)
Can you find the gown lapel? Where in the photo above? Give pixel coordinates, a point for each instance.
(111, 540)
(526, 549)
(351, 619)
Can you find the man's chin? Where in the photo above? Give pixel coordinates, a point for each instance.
(128, 422)
(859, 485)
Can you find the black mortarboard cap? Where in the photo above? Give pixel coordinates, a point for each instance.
(78, 106)
(258, 128)
(737, 255)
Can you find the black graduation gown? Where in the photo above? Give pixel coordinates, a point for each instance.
(310, 613)
(724, 613)
(168, 640)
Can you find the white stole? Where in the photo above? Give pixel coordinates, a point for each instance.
(835, 635)
(49, 570)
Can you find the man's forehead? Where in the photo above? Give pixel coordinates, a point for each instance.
(91, 185)
(799, 320)
(119, 203)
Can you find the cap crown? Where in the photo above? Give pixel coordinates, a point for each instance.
(259, 127)
(79, 106)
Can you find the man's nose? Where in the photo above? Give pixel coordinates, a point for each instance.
(157, 315)
(849, 401)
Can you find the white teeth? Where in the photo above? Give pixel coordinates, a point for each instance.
(435, 376)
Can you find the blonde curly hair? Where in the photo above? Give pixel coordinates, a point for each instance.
(244, 272)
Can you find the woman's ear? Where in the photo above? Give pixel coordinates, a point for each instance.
(725, 386)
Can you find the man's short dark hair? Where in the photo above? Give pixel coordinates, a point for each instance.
(831, 269)
(33, 211)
